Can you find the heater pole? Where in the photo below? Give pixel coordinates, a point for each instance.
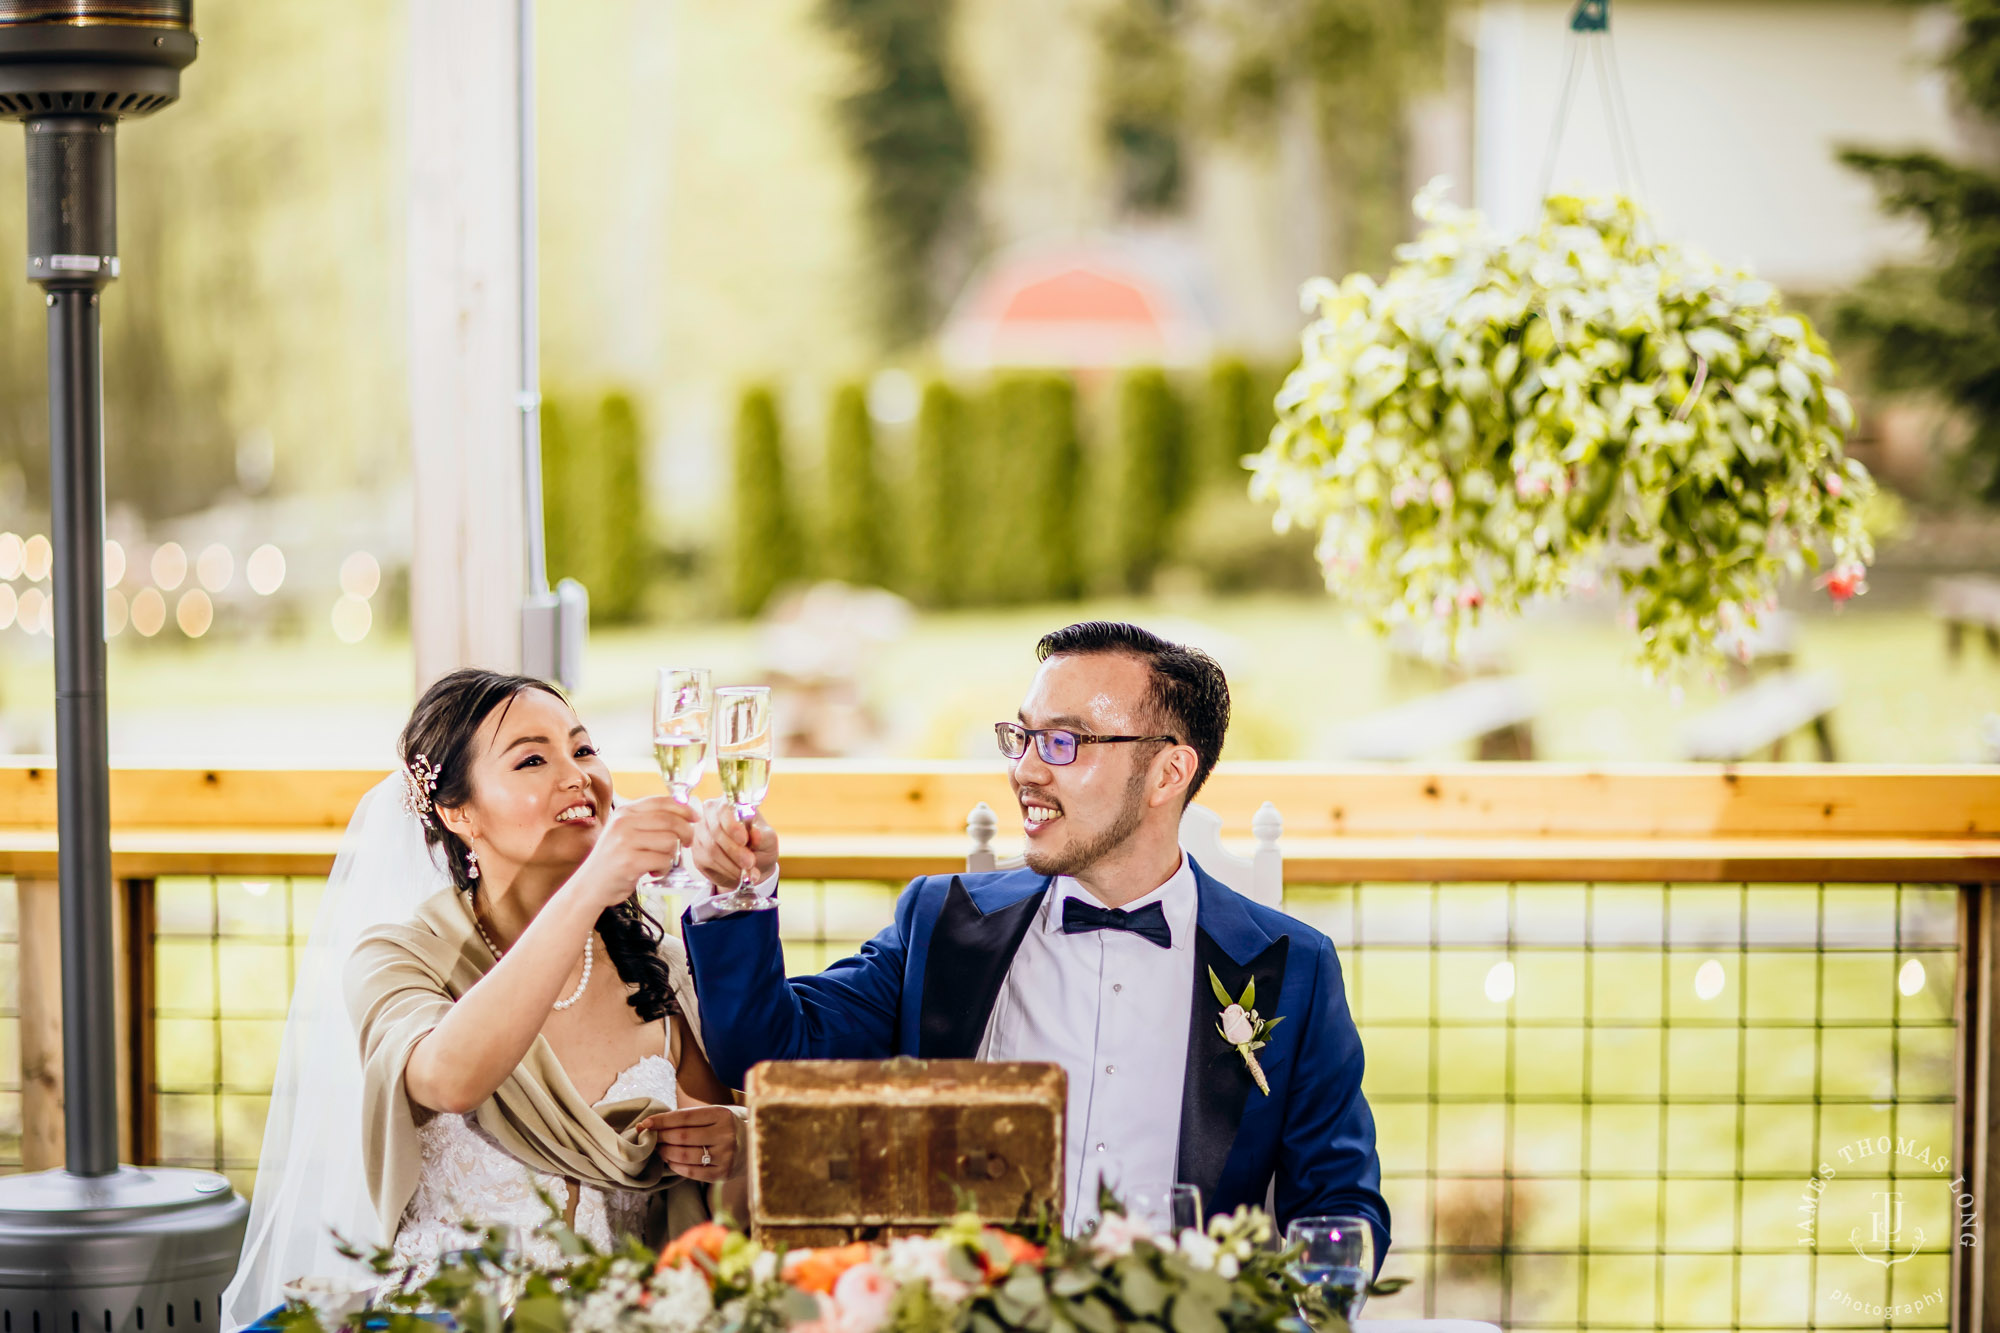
(76, 467)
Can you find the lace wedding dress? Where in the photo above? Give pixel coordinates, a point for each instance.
(467, 1176)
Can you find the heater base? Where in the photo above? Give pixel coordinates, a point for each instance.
(143, 1250)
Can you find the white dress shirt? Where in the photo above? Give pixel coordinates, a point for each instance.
(1112, 1008)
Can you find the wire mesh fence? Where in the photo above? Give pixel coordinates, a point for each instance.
(1599, 1107)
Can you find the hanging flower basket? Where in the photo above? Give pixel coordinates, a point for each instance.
(1504, 419)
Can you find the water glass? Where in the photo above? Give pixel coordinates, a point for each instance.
(1169, 1213)
(1337, 1259)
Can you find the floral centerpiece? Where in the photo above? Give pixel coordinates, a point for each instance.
(1502, 419)
(967, 1277)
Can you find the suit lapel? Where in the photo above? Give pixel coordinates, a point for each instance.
(1218, 1085)
(970, 952)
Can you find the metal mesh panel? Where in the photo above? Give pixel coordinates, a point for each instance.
(1600, 1107)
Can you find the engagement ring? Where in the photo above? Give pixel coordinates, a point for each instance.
(706, 1160)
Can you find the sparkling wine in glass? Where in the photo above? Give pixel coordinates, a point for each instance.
(743, 735)
(682, 702)
(1337, 1260)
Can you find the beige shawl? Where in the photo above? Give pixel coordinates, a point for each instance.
(401, 981)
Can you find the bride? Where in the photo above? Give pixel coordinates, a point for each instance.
(513, 1022)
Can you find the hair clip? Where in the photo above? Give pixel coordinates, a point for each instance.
(420, 779)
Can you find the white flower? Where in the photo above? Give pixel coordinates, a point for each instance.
(1115, 1234)
(923, 1259)
(681, 1301)
(1227, 1268)
(1236, 1026)
(1200, 1250)
(764, 1267)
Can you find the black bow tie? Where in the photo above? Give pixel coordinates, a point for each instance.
(1149, 922)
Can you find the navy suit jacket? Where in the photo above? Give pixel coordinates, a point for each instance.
(927, 984)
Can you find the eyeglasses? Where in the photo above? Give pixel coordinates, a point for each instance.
(1056, 746)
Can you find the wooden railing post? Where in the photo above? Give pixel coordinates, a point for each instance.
(1976, 1268)
(40, 911)
(41, 1023)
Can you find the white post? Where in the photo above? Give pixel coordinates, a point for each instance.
(468, 567)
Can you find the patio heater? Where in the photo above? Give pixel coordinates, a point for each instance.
(95, 1245)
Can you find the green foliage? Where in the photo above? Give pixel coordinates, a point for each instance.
(913, 138)
(1154, 480)
(1355, 63)
(1033, 548)
(858, 524)
(941, 517)
(1237, 416)
(768, 552)
(1937, 326)
(594, 500)
(1509, 418)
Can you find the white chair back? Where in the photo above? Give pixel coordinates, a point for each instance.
(1260, 877)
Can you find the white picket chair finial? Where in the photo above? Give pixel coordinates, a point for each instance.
(980, 825)
(1260, 878)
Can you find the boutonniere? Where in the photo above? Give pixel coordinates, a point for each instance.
(1242, 1028)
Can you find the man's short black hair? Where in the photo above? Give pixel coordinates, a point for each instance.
(1190, 694)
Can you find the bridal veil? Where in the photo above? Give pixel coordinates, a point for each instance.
(311, 1187)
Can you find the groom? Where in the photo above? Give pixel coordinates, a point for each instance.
(1096, 957)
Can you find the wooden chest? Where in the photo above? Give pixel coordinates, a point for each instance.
(844, 1150)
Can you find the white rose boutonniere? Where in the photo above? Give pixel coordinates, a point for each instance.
(1241, 1026)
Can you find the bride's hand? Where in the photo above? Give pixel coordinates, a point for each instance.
(641, 837)
(686, 1133)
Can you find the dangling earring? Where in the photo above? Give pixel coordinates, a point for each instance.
(471, 864)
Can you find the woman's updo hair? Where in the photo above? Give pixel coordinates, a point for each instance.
(438, 739)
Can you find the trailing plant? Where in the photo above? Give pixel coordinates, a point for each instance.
(1506, 418)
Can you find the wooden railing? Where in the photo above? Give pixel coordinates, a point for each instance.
(1496, 823)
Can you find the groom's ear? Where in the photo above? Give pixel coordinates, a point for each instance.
(1174, 771)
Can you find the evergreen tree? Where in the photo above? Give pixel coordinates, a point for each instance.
(1055, 500)
(942, 525)
(1937, 326)
(913, 138)
(1031, 538)
(1153, 474)
(858, 525)
(620, 514)
(1234, 423)
(767, 551)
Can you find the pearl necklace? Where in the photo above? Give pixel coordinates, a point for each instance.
(575, 995)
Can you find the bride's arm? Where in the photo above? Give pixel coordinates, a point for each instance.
(468, 1055)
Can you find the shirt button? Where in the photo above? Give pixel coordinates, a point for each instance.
(1111, 1069)
(1117, 986)
(1100, 1147)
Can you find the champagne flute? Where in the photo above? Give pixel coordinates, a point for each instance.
(743, 762)
(682, 700)
(1337, 1261)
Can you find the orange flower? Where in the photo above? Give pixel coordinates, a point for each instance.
(1019, 1251)
(818, 1270)
(705, 1239)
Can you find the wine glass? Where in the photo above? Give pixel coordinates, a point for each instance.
(682, 701)
(1170, 1212)
(743, 762)
(1337, 1260)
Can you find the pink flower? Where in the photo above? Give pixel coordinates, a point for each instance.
(1469, 597)
(1441, 493)
(1441, 605)
(1116, 1232)
(862, 1297)
(1835, 486)
(1846, 581)
(1236, 1027)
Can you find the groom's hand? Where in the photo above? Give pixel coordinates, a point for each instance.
(724, 846)
(686, 1134)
